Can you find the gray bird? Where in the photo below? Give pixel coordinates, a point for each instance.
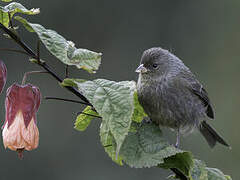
(172, 96)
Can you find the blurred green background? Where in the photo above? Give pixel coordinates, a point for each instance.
(204, 34)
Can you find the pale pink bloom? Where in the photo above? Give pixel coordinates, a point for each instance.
(18, 136)
(20, 130)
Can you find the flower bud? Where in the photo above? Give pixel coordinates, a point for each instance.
(3, 75)
(20, 130)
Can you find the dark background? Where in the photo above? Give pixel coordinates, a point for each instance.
(204, 34)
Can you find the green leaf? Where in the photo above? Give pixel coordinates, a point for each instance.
(114, 103)
(14, 8)
(64, 50)
(25, 23)
(199, 172)
(70, 82)
(6, 0)
(216, 174)
(182, 161)
(83, 120)
(138, 113)
(147, 148)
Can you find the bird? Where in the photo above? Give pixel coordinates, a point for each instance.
(172, 97)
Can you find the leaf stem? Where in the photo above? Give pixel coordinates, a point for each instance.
(10, 20)
(30, 53)
(13, 50)
(67, 100)
(109, 145)
(66, 71)
(90, 115)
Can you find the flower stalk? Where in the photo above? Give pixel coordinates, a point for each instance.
(30, 72)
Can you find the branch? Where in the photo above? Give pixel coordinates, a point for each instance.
(68, 100)
(179, 174)
(32, 54)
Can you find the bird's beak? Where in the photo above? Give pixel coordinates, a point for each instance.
(141, 69)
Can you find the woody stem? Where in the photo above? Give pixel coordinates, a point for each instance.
(33, 55)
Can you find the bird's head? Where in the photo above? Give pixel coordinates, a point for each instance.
(156, 62)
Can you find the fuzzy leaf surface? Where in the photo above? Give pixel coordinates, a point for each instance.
(14, 8)
(64, 50)
(113, 101)
(182, 161)
(201, 172)
(147, 148)
(216, 174)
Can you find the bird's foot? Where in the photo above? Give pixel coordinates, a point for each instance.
(178, 139)
(176, 145)
(146, 120)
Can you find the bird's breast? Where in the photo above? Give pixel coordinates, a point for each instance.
(152, 97)
(169, 104)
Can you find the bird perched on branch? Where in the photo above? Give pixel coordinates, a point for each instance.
(172, 96)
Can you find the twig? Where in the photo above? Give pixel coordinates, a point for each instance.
(38, 51)
(68, 100)
(30, 53)
(13, 50)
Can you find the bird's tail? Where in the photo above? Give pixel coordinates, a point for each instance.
(211, 135)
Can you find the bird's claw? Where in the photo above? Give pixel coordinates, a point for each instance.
(146, 120)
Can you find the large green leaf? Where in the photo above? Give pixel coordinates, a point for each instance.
(13, 8)
(64, 50)
(147, 148)
(114, 103)
(85, 118)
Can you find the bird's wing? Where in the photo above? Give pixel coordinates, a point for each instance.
(196, 87)
(198, 90)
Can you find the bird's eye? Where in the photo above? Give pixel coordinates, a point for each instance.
(155, 66)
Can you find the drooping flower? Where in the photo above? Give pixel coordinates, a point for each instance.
(20, 130)
(3, 75)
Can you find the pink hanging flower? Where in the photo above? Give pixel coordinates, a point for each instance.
(20, 130)
(3, 75)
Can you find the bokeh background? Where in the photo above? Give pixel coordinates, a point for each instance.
(204, 34)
